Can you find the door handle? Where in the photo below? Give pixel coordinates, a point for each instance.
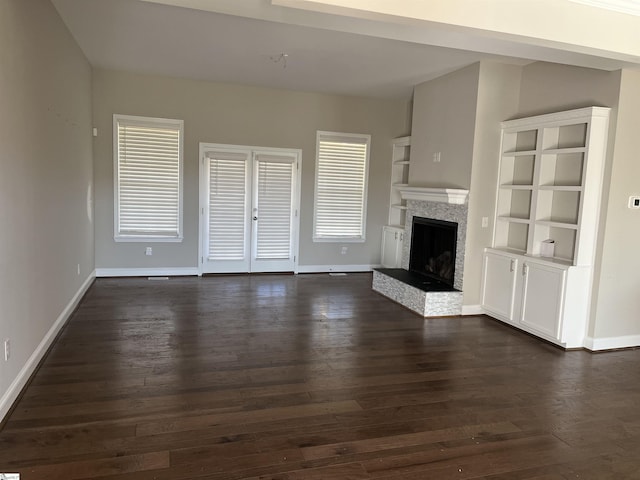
(396, 235)
(513, 265)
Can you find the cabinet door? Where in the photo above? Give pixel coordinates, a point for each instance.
(542, 298)
(391, 247)
(499, 284)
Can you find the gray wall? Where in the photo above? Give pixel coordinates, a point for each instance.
(617, 304)
(498, 94)
(444, 114)
(550, 87)
(235, 114)
(45, 179)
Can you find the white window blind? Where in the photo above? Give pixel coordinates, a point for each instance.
(227, 205)
(148, 179)
(274, 199)
(341, 186)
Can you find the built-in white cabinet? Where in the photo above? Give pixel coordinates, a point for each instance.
(542, 296)
(392, 240)
(549, 190)
(537, 295)
(500, 273)
(393, 234)
(399, 179)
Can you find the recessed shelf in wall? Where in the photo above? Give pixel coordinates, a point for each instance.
(556, 151)
(510, 186)
(517, 153)
(561, 188)
(565, 136)
(516, 251)
(505, 218)
(556, 224)
(550, 260)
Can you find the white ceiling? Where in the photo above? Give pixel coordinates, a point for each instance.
(237, 41)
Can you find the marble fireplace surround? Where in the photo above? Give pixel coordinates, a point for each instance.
(439, 204)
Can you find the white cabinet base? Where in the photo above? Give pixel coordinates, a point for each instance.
(537, 295)
(392, 241)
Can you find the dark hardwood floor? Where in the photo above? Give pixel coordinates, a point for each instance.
(312, 377)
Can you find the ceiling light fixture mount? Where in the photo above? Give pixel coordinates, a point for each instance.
(281, 58)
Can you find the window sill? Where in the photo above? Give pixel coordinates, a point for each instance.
(148, 239)
(338, 240)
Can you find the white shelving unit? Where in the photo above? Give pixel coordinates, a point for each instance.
(393, 233)
(399, 179)
(549, 188)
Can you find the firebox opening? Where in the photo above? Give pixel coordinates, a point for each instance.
(433, 249)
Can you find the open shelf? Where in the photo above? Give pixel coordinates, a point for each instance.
(547, 169)
(512, 235)
(515, 203)
(517, 170)
(401, 149)
(562, 169)
(565, 136)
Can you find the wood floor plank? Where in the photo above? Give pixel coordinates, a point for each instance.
(312, 377)
(97, 468)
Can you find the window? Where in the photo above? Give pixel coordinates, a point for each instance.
(342, 164)
(148, 179)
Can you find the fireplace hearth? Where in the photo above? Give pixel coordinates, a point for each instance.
(430, 280)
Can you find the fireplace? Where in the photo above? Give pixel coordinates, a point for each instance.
(433, 250)
(430, 280)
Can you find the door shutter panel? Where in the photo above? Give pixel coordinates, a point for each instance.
(227, 205)
(275, 179)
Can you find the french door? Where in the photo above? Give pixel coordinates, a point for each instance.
(249, 201)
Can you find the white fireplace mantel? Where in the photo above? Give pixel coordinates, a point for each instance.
(455, 196)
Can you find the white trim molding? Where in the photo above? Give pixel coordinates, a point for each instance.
(335, 268)
(456, 196)
(12, 393)
(472, 310)
(630, 7)
(609, 343)
(147, 272)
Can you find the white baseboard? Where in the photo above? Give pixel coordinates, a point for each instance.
(335, 268)
(10, 396)
(608, 343)
(472, 310)
(146, 272)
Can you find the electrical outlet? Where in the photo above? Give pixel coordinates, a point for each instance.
(436, 157)
(343, 250)
(7, 350)
(148, 251)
